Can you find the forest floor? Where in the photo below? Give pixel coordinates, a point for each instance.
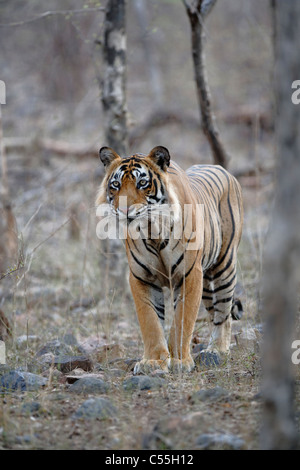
(64, 304)
(70, 305)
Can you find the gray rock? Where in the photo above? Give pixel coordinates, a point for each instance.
(68, 363)
(26, 339)
(210, 394)
(25, 439)
(21, 381)
(95, 408)
(87, 385)
(207, 359)
(31, 408)
(216, 441)
(143, 382)
(56, 348)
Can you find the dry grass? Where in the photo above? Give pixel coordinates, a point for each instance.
(43, 301)
(65, 285)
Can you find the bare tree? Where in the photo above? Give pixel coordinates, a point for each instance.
(281, 273)
(113, 89)
(114, 80)
(197, 12)
(8, 226)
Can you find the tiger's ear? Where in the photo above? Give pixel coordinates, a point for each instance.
(107, 156)
(160, 155)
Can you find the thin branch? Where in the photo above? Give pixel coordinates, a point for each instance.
(29, 256)
(51, 13)
(194, 12)
(17, 267)
(206, 7)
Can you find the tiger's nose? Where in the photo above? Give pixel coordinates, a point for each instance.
(124, 209)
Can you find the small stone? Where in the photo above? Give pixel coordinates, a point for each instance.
(95, 408)
(23, 340)
(88, 385)
(54, 347)
(31, 408)
(216, 441)
(207, 359)
(210, 394)
(25, 439)
(68, 363)
(22, 381)
(143, 382)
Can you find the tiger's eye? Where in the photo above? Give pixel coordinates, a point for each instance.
(115, 184)
(143, 183)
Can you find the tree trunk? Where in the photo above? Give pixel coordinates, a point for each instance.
(197, 13)
(114, 80)
(8, 226)
(281, 272)
(113, 87)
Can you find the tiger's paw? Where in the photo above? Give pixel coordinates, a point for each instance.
(146, 366)
(184, 365)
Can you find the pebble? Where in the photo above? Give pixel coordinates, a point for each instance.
(207, 359)
(216, 441)
(86, 385)
(55, 347)
(143, 382)
(21, 381)
(210, 394)
(95, 408)
(31, 408)
(68, 363)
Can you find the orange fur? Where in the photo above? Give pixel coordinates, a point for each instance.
(206, 271)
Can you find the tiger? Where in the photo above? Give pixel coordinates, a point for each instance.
(190, 272)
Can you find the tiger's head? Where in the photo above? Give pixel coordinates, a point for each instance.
(135, 185)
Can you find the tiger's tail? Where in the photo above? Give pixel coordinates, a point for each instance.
(237, 309)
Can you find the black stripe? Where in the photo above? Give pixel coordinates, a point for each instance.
(223, 301)
(149, 248)
(164, 244)
(187, 274)
(215, 276)
(177, 263)
(225, 285)
(140, 263)
(146, 282)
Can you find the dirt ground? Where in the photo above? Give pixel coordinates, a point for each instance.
(72, 291)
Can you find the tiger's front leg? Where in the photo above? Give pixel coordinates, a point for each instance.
(149, 303)
(184, 320)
